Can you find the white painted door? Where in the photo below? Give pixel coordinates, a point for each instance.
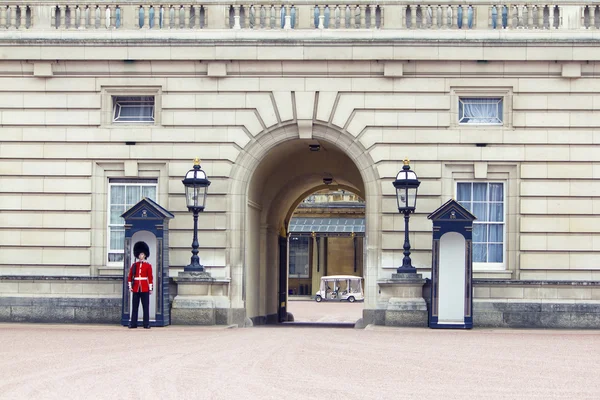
(150, 240)
(451, 279)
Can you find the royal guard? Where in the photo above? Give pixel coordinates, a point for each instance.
(140, 282)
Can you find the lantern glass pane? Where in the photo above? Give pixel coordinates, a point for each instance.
(412, 197)
(189, 196)
(402, 198)
(200, 196)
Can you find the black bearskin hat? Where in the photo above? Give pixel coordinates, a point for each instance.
(141, 247)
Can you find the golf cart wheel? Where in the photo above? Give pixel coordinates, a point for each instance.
(351, 299)
(318, 299)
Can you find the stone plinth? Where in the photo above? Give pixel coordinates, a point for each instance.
(202, 300)
(405, 303)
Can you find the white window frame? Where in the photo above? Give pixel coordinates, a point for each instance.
(111, 92)
(117, 106)
(122, 182)
(490, 266)
(456, 93)
(498, 101)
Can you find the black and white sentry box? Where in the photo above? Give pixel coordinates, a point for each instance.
(451, 267)
(148, 222)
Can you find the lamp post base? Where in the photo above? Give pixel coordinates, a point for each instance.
(194, 268)
(195, 274)
(406, 270)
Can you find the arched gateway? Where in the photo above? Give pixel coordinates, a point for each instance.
(270, 177)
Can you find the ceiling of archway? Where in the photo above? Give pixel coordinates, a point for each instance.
(290, 171)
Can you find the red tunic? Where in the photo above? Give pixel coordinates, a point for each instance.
(143, 280)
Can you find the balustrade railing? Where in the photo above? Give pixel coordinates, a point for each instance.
(84, 16)
(15, 16)
(439, 16)
(525, 16)
(264, 15)
(261, 16)
(336, 16)
(346, 16)
(591, 17)
(180, 16)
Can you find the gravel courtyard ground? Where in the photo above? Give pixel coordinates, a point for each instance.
(112, 362)
(311, 311)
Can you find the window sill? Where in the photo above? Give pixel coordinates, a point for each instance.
(110, 271)
(117, 124)
(492, 274)
(480, 126)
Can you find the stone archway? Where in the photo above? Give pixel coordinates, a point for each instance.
(270, 177)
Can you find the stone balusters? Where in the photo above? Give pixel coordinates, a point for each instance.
(154, 16)
(180, 16)
(590, 17)
(85, 17)
(22, 17)
(555, 17)
(435, 17)
(525, 16)
(402, 14)
(199, 15)
(263, 16)
(11, 17)
(345, 16)
(5, 17)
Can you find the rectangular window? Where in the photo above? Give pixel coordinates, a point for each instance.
(486, 201)
(133, 109)
(122, 195)
(480, 110)
(299, 262)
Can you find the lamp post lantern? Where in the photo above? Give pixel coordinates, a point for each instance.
(406, 185)
(196, 186)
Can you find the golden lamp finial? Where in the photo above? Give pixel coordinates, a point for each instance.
(406, 161)
(196, 161)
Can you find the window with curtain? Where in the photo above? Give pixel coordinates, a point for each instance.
(122, 195)
(133, 109)
(480, 110)
(299, 262)
(485, 200)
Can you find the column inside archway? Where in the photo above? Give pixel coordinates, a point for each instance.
(318, 263)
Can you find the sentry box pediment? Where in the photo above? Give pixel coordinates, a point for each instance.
(147, 209)
(452, 211)
(451, 267)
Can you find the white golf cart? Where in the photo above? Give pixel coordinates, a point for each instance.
(340, 288)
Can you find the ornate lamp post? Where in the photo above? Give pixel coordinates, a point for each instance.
(196, 187)
(406, 185)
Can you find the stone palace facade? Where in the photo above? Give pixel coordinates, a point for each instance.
(496, 104)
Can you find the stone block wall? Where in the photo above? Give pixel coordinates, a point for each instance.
(536, 304)
(60, 299)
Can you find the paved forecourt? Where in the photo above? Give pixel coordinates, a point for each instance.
(306, 310)
(110, 362)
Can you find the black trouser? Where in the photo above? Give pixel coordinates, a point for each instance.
(145, 298)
